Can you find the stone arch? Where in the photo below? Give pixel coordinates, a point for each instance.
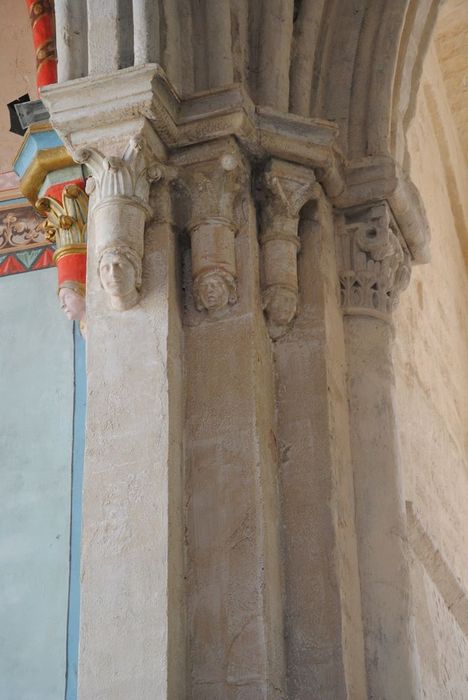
(370, 90)
(355, 63)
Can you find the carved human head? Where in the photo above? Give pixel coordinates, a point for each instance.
(72, 302)
(280, 305)
(214, 290)
(120, 275)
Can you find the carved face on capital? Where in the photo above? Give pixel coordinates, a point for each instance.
(120, 275)
(214, 290)
(72, 304)
(280, 306)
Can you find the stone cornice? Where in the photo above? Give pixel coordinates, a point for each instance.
(84, 110)
(115, 107)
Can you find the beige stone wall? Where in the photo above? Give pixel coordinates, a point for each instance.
(18, 71)
(432, 393)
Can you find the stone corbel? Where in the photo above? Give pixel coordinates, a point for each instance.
(375, 264)
(286, 187)
(119, 189)
(212, 187)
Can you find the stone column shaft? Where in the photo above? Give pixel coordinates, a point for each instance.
(131, 638)
(110, 44)
(146, 31)
(380, 515)
(72, 39)
(374, 269)
(325, 647)
(234, 582)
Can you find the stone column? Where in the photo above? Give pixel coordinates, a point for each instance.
(234, 583)
(110, 42)
(323, 628)
(374, 269)
(131, 633)
(131, 645)
(72, 39)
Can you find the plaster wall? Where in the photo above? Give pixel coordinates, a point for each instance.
(432, 395)
(36, 421)
(18, 71)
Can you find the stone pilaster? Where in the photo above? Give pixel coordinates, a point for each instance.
(374, 267)
(234, 595)
(132, 609)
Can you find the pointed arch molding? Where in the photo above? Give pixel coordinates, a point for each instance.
(370, 55)
(354, 62)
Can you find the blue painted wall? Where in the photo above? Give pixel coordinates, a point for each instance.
(37, 449)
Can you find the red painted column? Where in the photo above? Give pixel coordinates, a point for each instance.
(42, 16)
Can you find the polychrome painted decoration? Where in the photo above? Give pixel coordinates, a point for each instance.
(41, 14)
(23, 243)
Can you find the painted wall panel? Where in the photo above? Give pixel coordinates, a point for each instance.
(36, 424)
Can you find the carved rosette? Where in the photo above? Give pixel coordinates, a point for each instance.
(212, 188)
(119, 189)
(286, 189)
(375, 263)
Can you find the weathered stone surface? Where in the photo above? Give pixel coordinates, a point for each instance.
(303, 575)
(432, 401)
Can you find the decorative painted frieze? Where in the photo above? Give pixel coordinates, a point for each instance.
(23, 244)
(286, 188)
(375, 265)
(20, 229)
(119, 188)
(212, 187)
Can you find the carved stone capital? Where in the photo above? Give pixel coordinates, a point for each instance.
(128, 177)
(119, 189)
(210, 187)
(285, 189)
(375, 265)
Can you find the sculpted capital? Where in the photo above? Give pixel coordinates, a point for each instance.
(375, 265)
(119, 189)
(211, 189)
(286, 188)
(127, 177)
